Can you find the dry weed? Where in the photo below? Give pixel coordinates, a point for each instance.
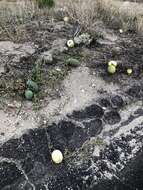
(82, 11)
(128, 15)
(13, 16)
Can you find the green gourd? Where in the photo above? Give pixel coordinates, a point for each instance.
(32, 86)
(29, 94)
(72, 62)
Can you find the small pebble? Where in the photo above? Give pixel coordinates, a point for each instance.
(121, 31)
(58, 69)
(82, 90)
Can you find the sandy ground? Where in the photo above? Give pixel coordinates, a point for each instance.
(80, 89)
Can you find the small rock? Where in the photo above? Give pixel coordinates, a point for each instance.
(15, 104)
(93, 85)
(44, 122)
(82, 90)
(58, 69)
(121, 31)
(59, 46)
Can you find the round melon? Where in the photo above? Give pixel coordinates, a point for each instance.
(111, 69)
(29, 94)
(32, 86)
(72, 62)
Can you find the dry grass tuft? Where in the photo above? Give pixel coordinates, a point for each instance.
(13, 16)
(81, 11)
(117, 13)
(128, 15)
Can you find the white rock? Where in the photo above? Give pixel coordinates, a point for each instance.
(121, 31)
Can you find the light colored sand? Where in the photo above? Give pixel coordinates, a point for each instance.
(80, 89)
